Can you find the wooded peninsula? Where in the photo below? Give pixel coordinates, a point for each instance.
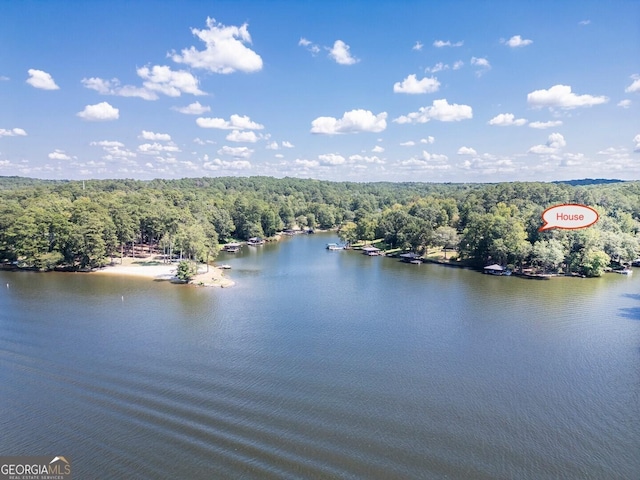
(81, 225)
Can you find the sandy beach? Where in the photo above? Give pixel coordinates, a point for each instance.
(155, 269)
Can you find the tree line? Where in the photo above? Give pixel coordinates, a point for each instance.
(83, 225)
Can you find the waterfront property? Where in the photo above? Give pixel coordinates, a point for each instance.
(232, 247)
(411, 257)
(255, 241)
(496, 269)
(371, 251)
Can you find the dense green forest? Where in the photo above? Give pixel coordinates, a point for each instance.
(82, 225)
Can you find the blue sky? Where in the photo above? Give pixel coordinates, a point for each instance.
(433, 91)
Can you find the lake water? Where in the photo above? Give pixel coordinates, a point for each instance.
(321, 364)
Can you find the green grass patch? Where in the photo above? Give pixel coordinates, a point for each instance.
(149, 263)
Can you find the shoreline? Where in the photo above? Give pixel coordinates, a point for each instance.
(157, 270)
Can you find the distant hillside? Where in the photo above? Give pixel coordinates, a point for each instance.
(589, 181)
(7, 183)
(16, 182)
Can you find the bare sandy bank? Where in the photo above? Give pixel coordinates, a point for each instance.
(155, 269)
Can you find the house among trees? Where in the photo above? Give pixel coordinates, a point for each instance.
(232, 247)
(496, 269)
(46, 225)
(255, 241)
(411, 257)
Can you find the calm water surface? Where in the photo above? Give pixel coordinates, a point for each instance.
(322, 364)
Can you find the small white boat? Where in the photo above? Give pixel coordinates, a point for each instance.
(334, 246)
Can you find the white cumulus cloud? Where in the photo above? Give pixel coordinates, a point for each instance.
(199, 141)
(275, 146)
(507, 119)
(304, 163)
(635, 85)
(412, 85)
(114, 150)
(246, 136)
(102, 111)
(626, 103)
(482, 63)
(235, 122)
(162, 137)
(543, 125)
(59, 155)
(365, 159)
(447, 43)
(194, 108)
(417, 46)
(487, 164)
(113, 87)
(440, 110)
(217, 164)
(331, 159)
(555, 142)
(434, 157)
(636, 140)
(438, 67)
(225, 50)
(309, 45)
(107, 144)
(156, 148)
(353, 121)
(517, 41)
(561, 96)
(237, 152)
(427, 161)
(157, 79)
(377, 149)
(467, 151)
(14, 132)
(340, 52)
(160, 78)
(41, 80)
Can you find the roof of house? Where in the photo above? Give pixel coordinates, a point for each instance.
(494, 267)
